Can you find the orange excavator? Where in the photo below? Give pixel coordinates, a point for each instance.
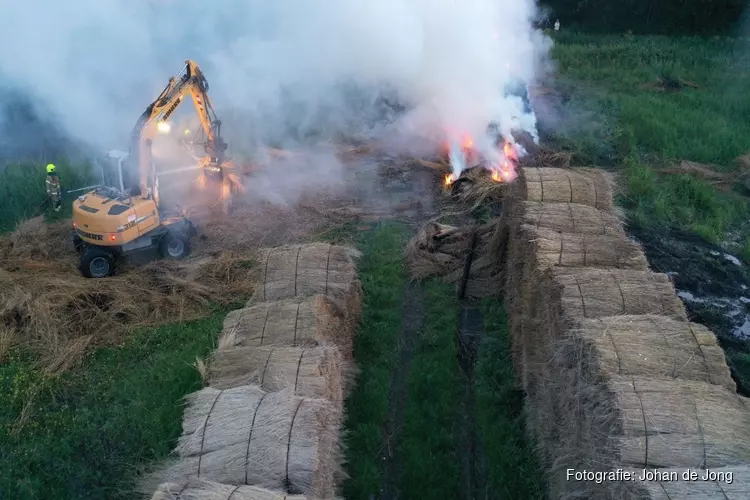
(111, 223)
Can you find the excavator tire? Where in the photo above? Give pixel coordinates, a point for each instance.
(174, 245)
(96, 263)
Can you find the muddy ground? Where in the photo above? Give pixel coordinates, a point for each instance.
(714, 286)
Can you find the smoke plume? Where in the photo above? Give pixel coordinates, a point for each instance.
(280, 73)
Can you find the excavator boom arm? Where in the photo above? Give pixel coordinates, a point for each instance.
(190, 81)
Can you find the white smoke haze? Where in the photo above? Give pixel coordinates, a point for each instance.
(280, 73)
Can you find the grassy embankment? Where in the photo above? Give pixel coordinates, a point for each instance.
(429, 445)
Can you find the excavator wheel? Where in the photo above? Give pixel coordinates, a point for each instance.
(175, 245)
(96, 263)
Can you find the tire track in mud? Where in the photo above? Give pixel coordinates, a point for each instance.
(418, 187)
(412, 323)
(469, 335)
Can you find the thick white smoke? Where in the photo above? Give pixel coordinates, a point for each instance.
(285, 66)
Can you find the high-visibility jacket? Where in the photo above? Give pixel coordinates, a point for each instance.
(53, 185)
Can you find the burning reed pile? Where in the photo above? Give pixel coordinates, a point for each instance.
(316, 372)
(442, 250)
(615, 375)
(477, 186)
(274, 440)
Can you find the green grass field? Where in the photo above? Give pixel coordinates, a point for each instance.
(89, 433)
(614, 122)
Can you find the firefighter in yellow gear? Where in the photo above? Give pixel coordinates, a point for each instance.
(53, 187)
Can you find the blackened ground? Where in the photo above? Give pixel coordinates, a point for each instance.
(714, 286)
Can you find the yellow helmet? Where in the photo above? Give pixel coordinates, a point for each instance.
(50, 168)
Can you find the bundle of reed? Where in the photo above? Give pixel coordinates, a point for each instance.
(584, 186)
(245, 436)
(293, 271)
(200, 489)
(317, 372)
(640, 422)
(298, 322)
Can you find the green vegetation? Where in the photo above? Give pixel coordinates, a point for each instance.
(430, 441)
(646, 16)
(512, 468)
(383, 276)
(614, 121)
(87, 434)
(430, 445)
(23, 192)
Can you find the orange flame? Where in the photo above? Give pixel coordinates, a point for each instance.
(449, 178)
(495, 175)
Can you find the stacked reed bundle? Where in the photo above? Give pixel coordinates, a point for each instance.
(596, 349)
(566, 294)
(615, 375)
(584, 228)
(292, 271)
(298, 322)
(200, 489)
(584, 186)
(533, 249)
(317, 372)
(245, 436)
(642, 422)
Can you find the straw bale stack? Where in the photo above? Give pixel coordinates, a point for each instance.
(273, 440)
(647, 346)
(299, 270)
(303, 322)
(585, 186)
(571, 218)
(642, 422)
(592, 293)
(200, 489)
(534, 250)
(316, 373)
(442, 250)
(291, 271)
